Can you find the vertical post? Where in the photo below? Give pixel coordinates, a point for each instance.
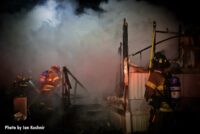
(63, 89)
(154, 38)
(140, 58)
(68, 93)
(179, 38)
(153, 49)
(75, 89)
(125, 39)
(128, 120)
(125, 61)
(121, 68)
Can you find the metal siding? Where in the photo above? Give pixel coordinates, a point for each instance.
(138, 106)
(140, 121)
(137, 85)
(139, 110)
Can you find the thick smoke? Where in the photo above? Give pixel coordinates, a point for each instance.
(86, 43)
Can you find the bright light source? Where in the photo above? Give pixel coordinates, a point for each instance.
(46, 14)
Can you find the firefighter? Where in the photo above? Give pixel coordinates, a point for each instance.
(50, 79)
(21, 86)
(157, 95)
(24, 86)
(50, 82)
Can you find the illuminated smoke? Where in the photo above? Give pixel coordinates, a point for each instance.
(87, 43)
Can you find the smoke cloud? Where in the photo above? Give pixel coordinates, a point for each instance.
(86, 43)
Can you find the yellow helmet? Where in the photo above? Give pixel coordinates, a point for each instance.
(55, 68)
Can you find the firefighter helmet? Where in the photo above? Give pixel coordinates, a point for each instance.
(55, 68)
(160, 61)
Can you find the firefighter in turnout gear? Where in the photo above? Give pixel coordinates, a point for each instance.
(21, 85)
(158, 96)
(50, 82)
(50, 79)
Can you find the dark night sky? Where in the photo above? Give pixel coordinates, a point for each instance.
(185, 10)
(12, 6)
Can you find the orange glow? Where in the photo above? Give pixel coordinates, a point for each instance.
(48, 87)
(49, 79)
(126, 72)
